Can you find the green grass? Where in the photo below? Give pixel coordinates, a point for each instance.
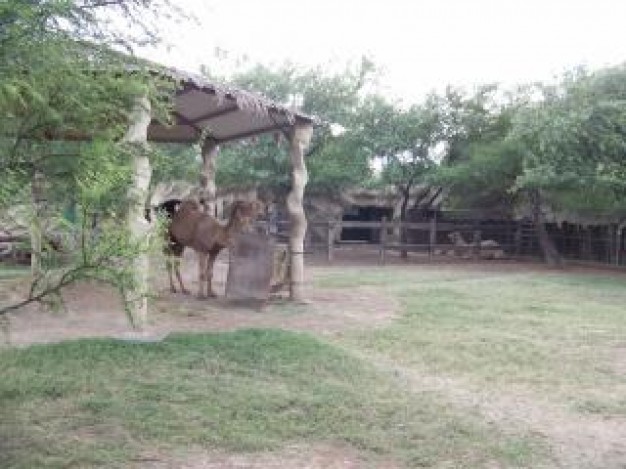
(13, 271)
(556, 334)
(103, 402)
(551, 335)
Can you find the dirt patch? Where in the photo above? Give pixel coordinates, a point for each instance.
(96, 311)
(575, 440)
(321, 456)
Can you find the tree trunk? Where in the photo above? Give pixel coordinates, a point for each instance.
(550, 253)
(34, 226)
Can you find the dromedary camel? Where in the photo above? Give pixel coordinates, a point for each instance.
(191, 227)
(489, 249)
(172, 249)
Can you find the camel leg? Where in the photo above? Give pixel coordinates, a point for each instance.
(177, 261)
(209, 273)
(168, 263)
(202, 274)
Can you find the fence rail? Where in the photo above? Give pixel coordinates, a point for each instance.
(602, 244)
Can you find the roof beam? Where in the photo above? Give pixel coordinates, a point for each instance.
(252, 133)
(187, 121)
(214, 114)
(188, 88)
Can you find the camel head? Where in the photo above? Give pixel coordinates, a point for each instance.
(243, 213)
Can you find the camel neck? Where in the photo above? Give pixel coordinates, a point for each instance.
(232, 224)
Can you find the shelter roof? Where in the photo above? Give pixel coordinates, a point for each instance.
(222, 112)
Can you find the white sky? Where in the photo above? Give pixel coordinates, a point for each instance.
(420, 44)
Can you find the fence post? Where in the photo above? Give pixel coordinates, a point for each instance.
(432, 238)
(307, 239)
(616, 243)
(619, 230)
(330, 240)
(518, 238)
(476, 242)
(383, 241)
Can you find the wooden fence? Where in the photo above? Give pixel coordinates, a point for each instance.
(399, 236)
(430, 238)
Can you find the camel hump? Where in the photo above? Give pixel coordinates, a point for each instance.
(189, 206)
(186, 221)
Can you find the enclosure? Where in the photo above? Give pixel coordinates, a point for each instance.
(410, 364)
(427, 236)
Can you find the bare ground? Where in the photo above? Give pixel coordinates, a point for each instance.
(575, 440)
(96, 311)
(319, 456)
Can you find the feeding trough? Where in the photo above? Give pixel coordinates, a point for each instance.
(250, 267)
(257, 267)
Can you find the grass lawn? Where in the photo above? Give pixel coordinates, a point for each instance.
(558, 335)
(395, 394)
(12, 271)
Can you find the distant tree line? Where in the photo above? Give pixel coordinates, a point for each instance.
(560, 146)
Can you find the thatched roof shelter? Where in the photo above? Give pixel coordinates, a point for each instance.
(223, 112)
(212, 114)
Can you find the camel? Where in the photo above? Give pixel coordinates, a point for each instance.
(192, 227)
(172, 249)
(489, 249)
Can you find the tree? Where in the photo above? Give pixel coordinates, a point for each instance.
(481, 163)
(485, 158)
(61, 78)
(576, 137)
(574, 143)
(467, 118)
(336, 157)
(405, 141)
(559, 146)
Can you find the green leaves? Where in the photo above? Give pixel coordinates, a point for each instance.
(575, 139)
(65, 98)
(334, 161)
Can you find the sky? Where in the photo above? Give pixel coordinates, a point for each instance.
(419, 45)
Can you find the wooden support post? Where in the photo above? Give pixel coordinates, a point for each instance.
(618, 243)
(616, 240)
(139, 227)
(517, 239)
(330, 241)
(307, 241)
(207, 178)
(403, 253)
(587, 240)
(383, 241)
(476, 237)
(432, 238)
(299, 137)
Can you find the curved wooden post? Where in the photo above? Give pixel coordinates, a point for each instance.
(207, 177)
(139, 227)
(299, 139)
